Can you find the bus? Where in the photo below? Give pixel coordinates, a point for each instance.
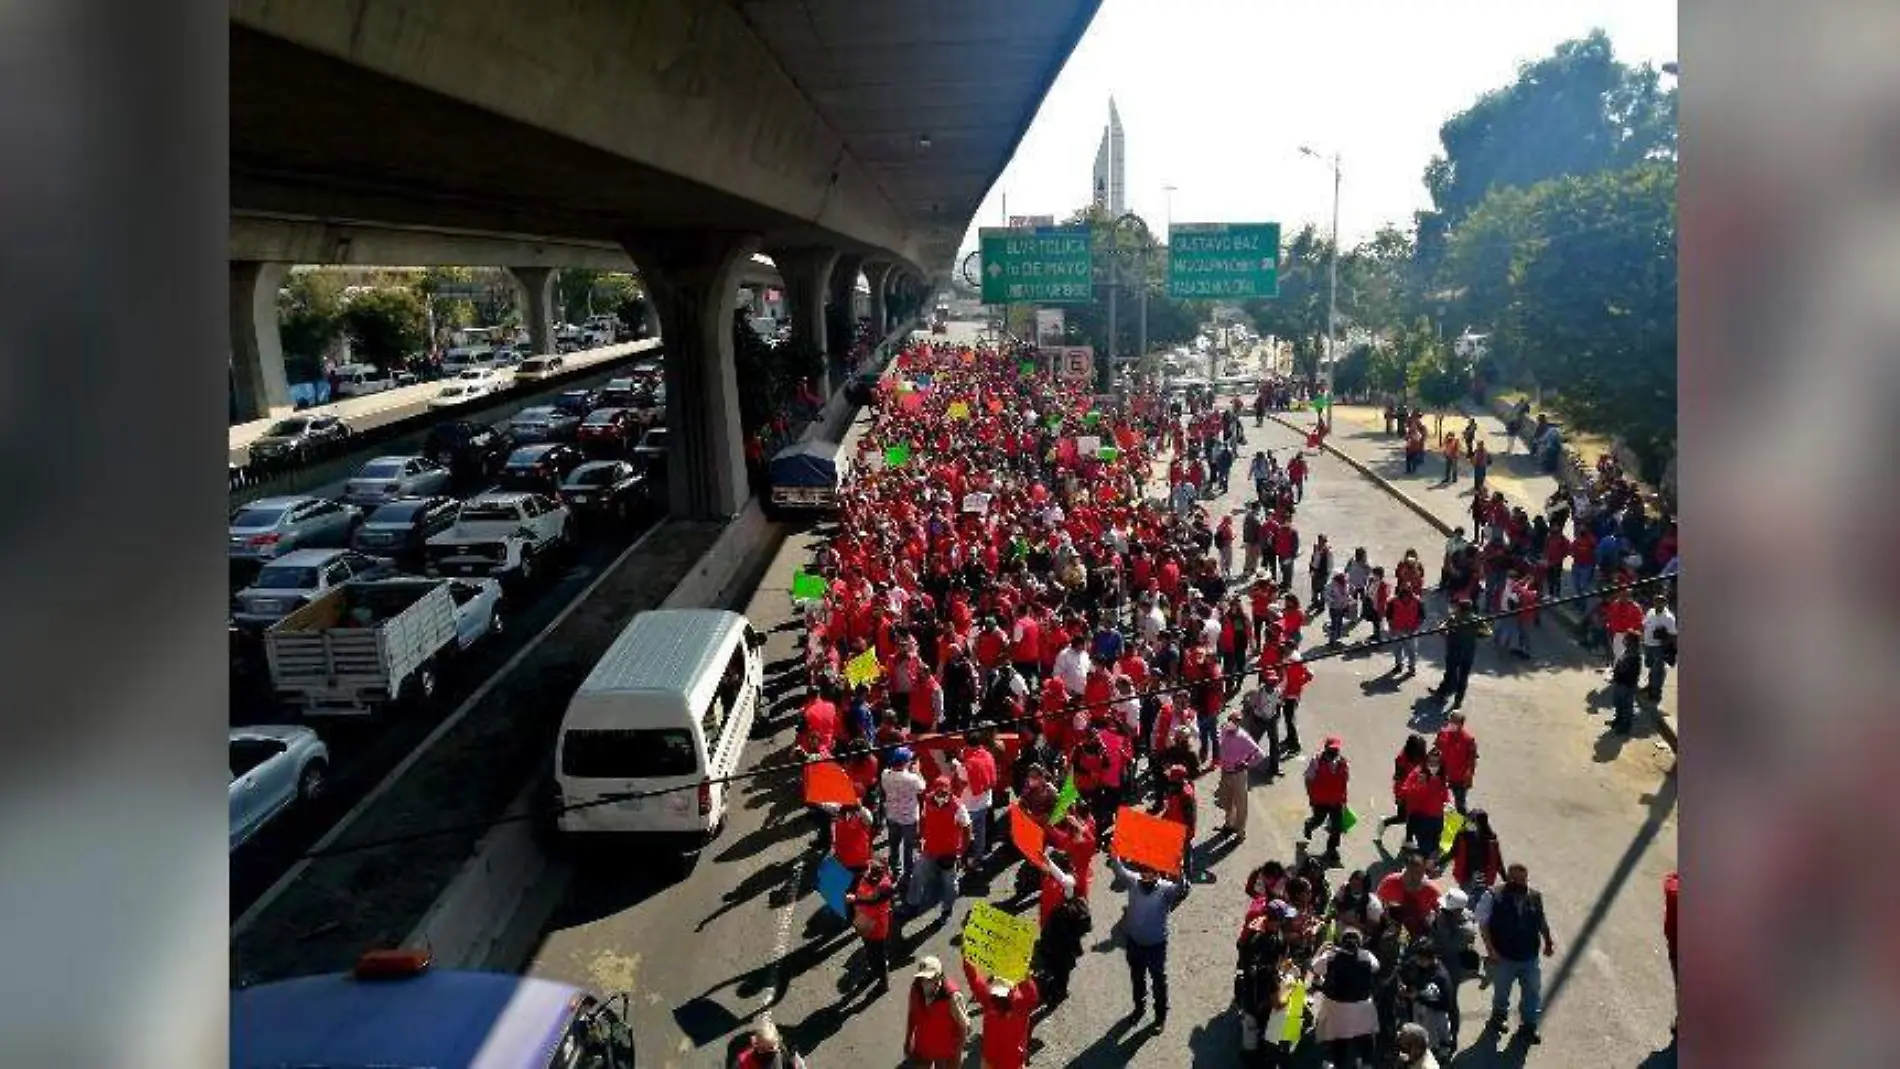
(940, 320)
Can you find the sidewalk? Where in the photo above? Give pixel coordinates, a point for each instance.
(1358, 438)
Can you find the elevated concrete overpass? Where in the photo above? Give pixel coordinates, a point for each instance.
(833, 135)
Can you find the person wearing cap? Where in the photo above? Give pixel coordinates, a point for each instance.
(870, 900)
(1238, 754)
(767, 1050)
(1151, 900)
(1008, 1016)
(1455, 935)
(937, 1023)
(944, 834)
(902, 788)
(1328, 779)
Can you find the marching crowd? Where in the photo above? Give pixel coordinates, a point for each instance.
(1029, 635)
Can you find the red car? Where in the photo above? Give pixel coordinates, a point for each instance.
(608, 431)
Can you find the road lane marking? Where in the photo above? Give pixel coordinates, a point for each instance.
(276, 890)
(782, 940)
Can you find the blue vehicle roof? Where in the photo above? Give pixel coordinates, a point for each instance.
(439, 1019)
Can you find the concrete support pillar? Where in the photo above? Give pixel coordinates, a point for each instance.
(807, 274)
(257, 353)
(877, 275)
(691, 281)
(841, 328)
(537, 289)
(652, 316)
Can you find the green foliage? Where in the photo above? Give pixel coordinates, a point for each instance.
(1386, 370)
(574, 292)
(450, 311)
(309, 321)
(1351, 373)
(1298, 315)
(386, 326)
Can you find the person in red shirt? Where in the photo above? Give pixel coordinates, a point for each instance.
(926, 701)
(937, 1023)
(851, 833)
(1426, 797)
(870, 900)
(1459, 750)
(1409, 895)
(1556, 549)
(1583, 557)
(1008, 1015)
(1328, 778)
(979, 777)
(821, 721)
(1177, 803)
(992, 645)
(1296, 470)
(1294, 676)
(1623, 618)
(943, 836)
(1292, 618)
(1026, 644)
(1475, 856)
(1406, 613)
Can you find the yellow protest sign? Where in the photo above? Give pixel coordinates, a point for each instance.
(1295, 1013)
(958, 410)
(863, 668)
(999, 944)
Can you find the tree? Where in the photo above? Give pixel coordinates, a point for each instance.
(1139, 261)
(1298, 315)
(309, 321)
(574, 289)
(441, 287)
(386, 326)
(1351, 373)
(1434, 373)
(1386, 369)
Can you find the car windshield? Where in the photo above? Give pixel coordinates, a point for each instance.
(256, 517)
(618, 754)
(286, 577)
(600, 476)
(286, 427)
(488, 513)
(380, 469)
(401, 512)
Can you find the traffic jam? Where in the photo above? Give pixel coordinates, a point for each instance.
(360, 604)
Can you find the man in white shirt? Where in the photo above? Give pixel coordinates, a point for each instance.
(1659, 636)
(1072, 666)
(1153, 620)
(902, 788)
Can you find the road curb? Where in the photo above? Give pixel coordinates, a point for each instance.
(1665, 725)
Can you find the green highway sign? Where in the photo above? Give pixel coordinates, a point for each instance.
(1223, 260)
(1044, 264)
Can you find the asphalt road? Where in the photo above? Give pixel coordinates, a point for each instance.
(1593, 817)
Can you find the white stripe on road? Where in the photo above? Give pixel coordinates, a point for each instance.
(782, 940)
(270, 895)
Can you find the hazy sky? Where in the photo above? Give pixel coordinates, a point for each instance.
(1216, 96)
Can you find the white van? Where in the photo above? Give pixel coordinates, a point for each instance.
(668, 708)
(360, 380)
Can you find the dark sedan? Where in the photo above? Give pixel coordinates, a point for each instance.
(576, 403)
(400, 529)
(469, 449)
(296, 439)
(609, 432)
(605, 490)
(539, 468)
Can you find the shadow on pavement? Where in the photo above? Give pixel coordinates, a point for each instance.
(1117, 1046)
(764, 881)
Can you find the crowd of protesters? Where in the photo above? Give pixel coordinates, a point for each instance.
(1031, 624)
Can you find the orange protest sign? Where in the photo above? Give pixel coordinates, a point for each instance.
(1027, 835)
(827, 783)
(1144, 839)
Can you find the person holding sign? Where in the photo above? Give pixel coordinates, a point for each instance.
(1008, 1015)
(1151, 900)
(1178, 804)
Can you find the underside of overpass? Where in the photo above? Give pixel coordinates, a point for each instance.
(691, 133)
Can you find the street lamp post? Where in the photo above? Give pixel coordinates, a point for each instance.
(1332, 281)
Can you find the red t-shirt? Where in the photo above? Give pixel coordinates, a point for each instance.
(1412, 906)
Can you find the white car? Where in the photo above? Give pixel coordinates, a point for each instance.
(500, 534)
(273, 769)
(535, 368)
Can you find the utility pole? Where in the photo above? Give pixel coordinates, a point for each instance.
(1332, 284)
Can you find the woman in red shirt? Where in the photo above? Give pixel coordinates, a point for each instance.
(870, 903)
(1426, 795)
(937, 1023)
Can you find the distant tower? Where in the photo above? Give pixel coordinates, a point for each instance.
(1111, 186)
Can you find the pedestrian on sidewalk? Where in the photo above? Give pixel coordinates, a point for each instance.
(937, 1024)
(1625, 675)
(1328, 780)
(1262, 708)
(1296, 475)
(1294, 676)
(1470, 434)
(1414, 448)
(1556, 548)
(1250, 536)
(1345, 1017)
(1427, 796)
(1411, 756)
(1480, 463)
(1342, 607)
(1179, 804)
(1451, 460)
(1151, 901)
(1238, 754)
(1373, 601)
(1511, 921)
(1319, 568)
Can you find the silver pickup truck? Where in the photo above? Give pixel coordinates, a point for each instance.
(501, 536)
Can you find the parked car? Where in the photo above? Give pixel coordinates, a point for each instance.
(577, 402)
(609, 432)
(400, 529)
(361, 380)
(500, 535)
(387, 478)
(293, 580)
(544, 423)
(467, 448)
(273, 769)
(539, 468)
(536, 368)
(270, 527)
(295, 439)
(605, 490)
